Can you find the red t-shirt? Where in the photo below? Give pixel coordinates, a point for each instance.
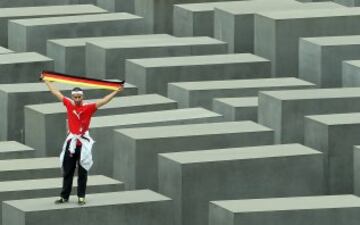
(79, 116)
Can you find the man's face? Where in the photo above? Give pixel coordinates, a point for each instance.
(78, 98)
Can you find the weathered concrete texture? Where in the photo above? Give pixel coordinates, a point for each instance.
(27, 3)
(32, 168)
(158, 14)
(356, 170)
(349, 3)
(284, 111)
(242, 108)
(202, 93)
(15, 150)
(234, 23)
(106, 59)
(51, 117)
(192, 179)
(143, 72)
(32, 34)
(13, 98)
(128, 208)
(38, 188)
(117, 5)
(69, 53)
(7, 14)
(320, 58)
(102, 130)
(23, 67)
(277, 33)
(351, 73)
(5, 50)
(136, 150)
(335, 135)
(320, 210)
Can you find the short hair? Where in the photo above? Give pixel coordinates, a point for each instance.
(77, 89)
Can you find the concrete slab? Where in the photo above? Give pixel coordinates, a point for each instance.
(135, 160)
(106, 59)
(5, 50)
(117, 5)
(15, 150)
(23, 67)
(202, 93)
(69, 53)
(351, 73)
(287, 170)
(273, 28)
(320, 210)
(234, 23)
(284, 111)
(335, 135)
(13, 98)
(242, 108)
(356, 171)
(32, 34)
(102, 130)
(143, 72)
(349, 3)
(27, 3)
(7, 14)
(52, 118)
(128, 208)
(320, 58)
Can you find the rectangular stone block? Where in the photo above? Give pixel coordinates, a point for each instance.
(335, 135)
(143, 72)
(117, 5)
(5, 50)
(273, 28)
(27, 3)
(242, 108)
(51, 117)
(7, 14)
(321, 210)
(284, 111)
(356, 170)
(128, 208)
(69, 53)
(192, 179)
(234, 23)
(23, 67)
(102, 128)
(106, 59)
(202, 93)
(320, 58)
(32, 34)
(15, 150)
(135, 154)
(13, 98)
(351, 73)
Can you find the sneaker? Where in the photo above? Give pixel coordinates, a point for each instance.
(81, 201)
(61, 200)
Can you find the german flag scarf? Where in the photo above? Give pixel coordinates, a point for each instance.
(83, 81)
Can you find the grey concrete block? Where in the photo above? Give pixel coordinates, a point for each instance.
(13, 98)
(106, 59)
(135, 154)
(356, 164)
(143, 72)
(15, 150)
(128, 208)
(202, 93)
(7, 14)
(192, 179)
(277, 33)
(117, 5)
(349, 3)
(284, 111)
(351, 73)
(23, 67)
(69, 53)
(32, 34)
(31, 168)
(335, 135)
(320, 58)
(27, 3)
(242, 108)
(321, 210)
(51, 117)
(102, 130)
(234, 23)
(5, 50)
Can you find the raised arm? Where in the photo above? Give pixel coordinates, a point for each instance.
(54, 90)
(107, 98)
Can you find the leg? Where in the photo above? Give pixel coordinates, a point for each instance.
(69, 165)
(82, 179)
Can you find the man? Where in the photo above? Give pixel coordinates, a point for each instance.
(78, 144)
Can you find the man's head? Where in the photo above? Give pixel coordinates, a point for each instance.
(77, 95)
